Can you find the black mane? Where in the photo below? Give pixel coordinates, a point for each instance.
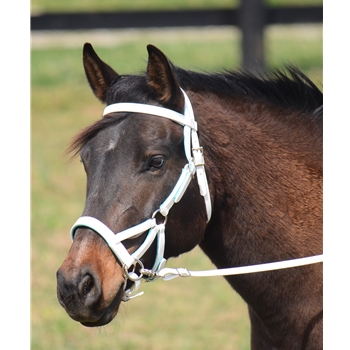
(290, 89)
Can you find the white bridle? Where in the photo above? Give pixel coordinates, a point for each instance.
(195, 166)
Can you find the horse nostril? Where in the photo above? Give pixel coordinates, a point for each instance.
(85, 286)
(89, 289)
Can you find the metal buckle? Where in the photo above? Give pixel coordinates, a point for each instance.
(151, 275)
(131, 275)
(198, 154)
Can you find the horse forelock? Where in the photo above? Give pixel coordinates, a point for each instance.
(126, 88)
(91, 131)
(129, 88)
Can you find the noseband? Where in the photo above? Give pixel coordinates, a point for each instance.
(131, 263)
(195, 166)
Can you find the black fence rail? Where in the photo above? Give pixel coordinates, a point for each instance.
(251, 17)
(157, 19)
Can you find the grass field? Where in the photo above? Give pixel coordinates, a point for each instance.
(180, 314)
(38, 6)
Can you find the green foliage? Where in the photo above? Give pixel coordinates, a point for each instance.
(180, 314)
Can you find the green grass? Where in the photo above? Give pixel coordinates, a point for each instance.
(38, 6)
(179, 314)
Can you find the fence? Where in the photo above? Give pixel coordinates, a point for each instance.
(251, 17)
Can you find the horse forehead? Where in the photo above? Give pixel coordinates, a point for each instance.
(157, 128)
(138, 130)
(106, 140)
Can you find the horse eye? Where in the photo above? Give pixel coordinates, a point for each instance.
(157, 162)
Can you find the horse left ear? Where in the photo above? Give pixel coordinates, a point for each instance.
(162, 79)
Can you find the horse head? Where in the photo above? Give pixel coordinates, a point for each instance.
(132, 163)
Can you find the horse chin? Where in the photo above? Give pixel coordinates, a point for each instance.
(110, 313)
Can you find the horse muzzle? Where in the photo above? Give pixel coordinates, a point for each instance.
(81, 296)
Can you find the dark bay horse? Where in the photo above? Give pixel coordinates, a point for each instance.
(261, 182)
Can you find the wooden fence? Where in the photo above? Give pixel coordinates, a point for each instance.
(251, 17)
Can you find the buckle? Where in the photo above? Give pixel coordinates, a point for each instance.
(132, 275)
(198, 155)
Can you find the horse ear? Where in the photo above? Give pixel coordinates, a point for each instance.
(162, 79)
(99, 74)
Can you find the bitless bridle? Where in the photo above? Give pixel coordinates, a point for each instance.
(131, 262)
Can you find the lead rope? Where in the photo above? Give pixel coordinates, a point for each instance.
(168, 274)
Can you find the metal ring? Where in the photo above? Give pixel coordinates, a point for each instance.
(158, 211)
(131, 275)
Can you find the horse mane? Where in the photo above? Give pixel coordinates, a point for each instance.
(289, 89)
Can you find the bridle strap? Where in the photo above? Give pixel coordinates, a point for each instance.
(114, 241)
(168, 274)
(152, 110)
(195, 165)
(193, 150)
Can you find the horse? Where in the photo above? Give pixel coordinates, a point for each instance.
(253, 142)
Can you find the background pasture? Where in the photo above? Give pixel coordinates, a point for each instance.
(120, 5)
(180, 314)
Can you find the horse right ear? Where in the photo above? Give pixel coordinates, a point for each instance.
(161, 78)
(99, 74)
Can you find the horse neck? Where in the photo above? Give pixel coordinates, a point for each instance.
(267, 188)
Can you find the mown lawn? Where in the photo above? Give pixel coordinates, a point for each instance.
(180, 314)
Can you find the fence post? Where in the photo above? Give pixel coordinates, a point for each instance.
(252, 19)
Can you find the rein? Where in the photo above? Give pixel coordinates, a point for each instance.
(195, 166)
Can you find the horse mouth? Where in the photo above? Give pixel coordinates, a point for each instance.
(110, 313)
